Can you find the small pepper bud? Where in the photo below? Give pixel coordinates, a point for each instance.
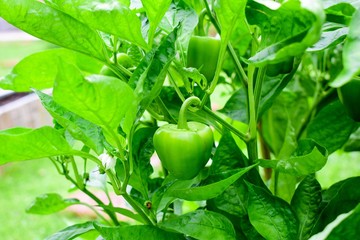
(148, 204)
(107, 161)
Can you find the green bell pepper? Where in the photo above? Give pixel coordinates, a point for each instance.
(184, 149)
(203, 54)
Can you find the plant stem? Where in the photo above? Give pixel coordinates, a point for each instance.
(116, 70)
(182, 123)
(225, 124)
(252, 150)
(254, 36)
(276, 180)
(115, 184)
(123, 70)
(258, 86)
(265, 152)
(114, 49)
(96, 199)
(130, 153)
(78, 178)
(95, 211)
(200, 26)
(252, 108)
(102, 205)
(251, 105)
(117, 141)
(88, 156)
(127, 176)
(154, 114)
(119, 69)
(138, 209)
(239, 68)
(56, 166)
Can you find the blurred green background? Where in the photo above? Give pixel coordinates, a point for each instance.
(22, 182)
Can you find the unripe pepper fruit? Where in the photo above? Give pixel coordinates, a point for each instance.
(122, 59)
(184, 149)
(203, 54)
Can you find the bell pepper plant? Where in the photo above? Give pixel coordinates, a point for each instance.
(237, 98)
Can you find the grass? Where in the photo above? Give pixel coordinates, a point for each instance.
(20, 183)
(12, 52)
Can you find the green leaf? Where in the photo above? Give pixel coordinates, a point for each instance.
(329, 39)
(287, 29)
(273, 87)
(339, 198)
(349, 4)
(353, 144)
(202, 225)
(50, 203)
(348, 228)
(136, 232)
(53, 26)
(81, 129)
(180, 13)
(233, 200)
(286, 183)
(210, 190)
(289, 109)
(290, 142)
(351, 58)
(309, 157)
(228, 13)
(143, 149)
(161, 199)
(228, 156)
(111, 17)
(149, 76)
(99, 99)
(19, 144)
(155, 11)
(306, 204)
(331, 127)
(248, 229)
(40, 69)
(236, 106)
(271, 216)
(72, 232)
(198, 6)
(340, 11)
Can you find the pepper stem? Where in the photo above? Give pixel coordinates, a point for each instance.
(200, 27)
(182, 123)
